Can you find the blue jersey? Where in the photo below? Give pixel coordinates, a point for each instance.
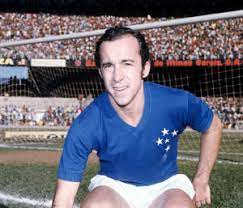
(141, 155)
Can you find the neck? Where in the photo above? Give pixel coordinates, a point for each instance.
(132, 112)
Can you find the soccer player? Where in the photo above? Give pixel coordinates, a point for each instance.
(134, 126)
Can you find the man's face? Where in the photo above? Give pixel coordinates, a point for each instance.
(121, 70)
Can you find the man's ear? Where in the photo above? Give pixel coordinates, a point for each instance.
(100, 73)
(146, 69)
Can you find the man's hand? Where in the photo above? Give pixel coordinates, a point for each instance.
(209, 147)
(202, 192)
(65, 194)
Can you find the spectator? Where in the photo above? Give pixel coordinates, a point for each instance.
(30, 115)
(229, 110)
(209, 40)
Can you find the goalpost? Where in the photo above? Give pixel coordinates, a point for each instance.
(218, 83)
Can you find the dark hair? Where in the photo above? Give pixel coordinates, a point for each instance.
(115, 33)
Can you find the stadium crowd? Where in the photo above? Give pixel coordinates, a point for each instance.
(31, 115)
(219, 39)
(25, 115)
(230, 111)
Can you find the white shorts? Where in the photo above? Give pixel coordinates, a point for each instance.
(143, 196)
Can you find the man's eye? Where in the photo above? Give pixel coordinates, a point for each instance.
(127, 64)
(106, 66)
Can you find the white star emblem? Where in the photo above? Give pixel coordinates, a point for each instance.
(159, 141)
(167, 148)
(174, 133)
(165, 131)
(167, 140)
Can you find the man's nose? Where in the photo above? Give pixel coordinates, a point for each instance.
(118, 74)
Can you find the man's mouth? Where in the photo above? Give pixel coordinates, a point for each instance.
(120, 88)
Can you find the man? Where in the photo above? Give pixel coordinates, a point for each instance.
(134, 127)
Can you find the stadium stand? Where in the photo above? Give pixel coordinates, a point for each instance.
(229, 110)
(219, 40)
(14, 111)
(27, 111)
(216, 40)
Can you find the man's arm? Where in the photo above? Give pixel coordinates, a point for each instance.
(65, 194)
(210, 142)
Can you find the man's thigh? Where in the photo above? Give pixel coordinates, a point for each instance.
(173, 198)
(104, 197)
(143, 196)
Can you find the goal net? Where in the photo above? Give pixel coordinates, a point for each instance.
(203, 58)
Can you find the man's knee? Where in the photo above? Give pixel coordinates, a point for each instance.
(97, 203)
(177, 199)
(178, 204)
(100, 197)
(173, 198)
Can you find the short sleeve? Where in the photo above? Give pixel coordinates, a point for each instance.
(81, 139)
(199, 115)
(74, 156)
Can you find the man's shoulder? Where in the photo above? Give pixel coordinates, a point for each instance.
(158, 89)
(94, 108)
(91, 115)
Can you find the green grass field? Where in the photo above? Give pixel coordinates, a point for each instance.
(37, 181)
(231, 147)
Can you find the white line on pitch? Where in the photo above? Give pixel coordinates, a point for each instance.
(29, 147)
(223, 153)
(191, 158)
(7, 199)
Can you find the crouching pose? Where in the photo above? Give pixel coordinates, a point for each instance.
(134, 127)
